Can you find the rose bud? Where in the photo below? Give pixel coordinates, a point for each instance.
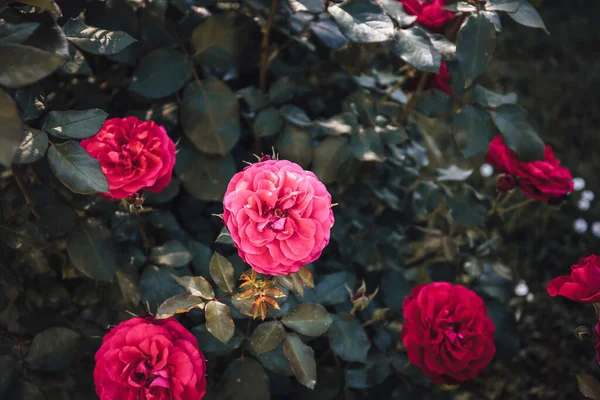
(505, 183)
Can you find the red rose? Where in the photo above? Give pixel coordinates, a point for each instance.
(540, 180)
(582, 285)
(440, 81)
(134, 155)
(279, 216)
(429, 13)
(150, 359)
(447, 332)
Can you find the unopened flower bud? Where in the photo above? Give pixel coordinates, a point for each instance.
(505, 183)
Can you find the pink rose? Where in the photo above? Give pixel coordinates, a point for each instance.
(429, 13)
(279, 216)
(134, 155)
(150, 359)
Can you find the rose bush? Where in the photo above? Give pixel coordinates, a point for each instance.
(134, 155)
(583, 284)
(429, 13)
(279, 216)
(145, 358)
(541, 180)
(447, 332)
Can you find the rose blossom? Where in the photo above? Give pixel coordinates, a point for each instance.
(447, 332)
(582, 285)
(540, 180)
(279, 216)
(134, 155)
(429, 13)
(150, 359)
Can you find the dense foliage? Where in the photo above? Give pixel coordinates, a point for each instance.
(381, 100)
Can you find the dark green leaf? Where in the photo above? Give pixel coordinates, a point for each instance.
(74, 124)
(444, 46)
(331, 288)
(161, 73)
(49, 5)
(22, 65)
(8, 366)
(53, 349)
(178, 304)
(282, 90)
(17, 33)
(267, 336)
(475, 126)
(221, 271)
(506, 339)
(12, 132)
(76, 168)
(171, 254)
(457, 77)
(92, 251)
(527, 15)
(414, 46)
(328, 157)
(32, 148)
(276, 362)
(31, 101)
(26, 391)
(518, 134)
(295, 145)
(295, 116)
(268, 123)
(348, 339)
(77, 64)
(95, 40)
(157, 285)
(244, 379)
(475, 45)
(362, 21)
(461, 6)
(302, 360)
(494, 19)
(218, 321)
(308, 319)
(210, 116)
(204, 176)
(502, 5)
(453, 174)
(328, 32)
(311, 6)
(396, 11)
(395, 288)
(378, 368)
(213, 347)
(196, 286)
(366, 146)
(467, 209)
(487, 98)
(434, 103)
(588, 386)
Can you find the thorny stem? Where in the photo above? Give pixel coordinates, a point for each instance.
(391, 90)
(413, 99)
(518, 205)
(265, 45)
(24, 189)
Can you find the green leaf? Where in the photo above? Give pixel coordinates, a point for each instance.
(362, 21)
(348, 339)
(161, 73)
(77, 64)
(475, 126)
(461, 6)
(210, 116)
(527, 15)
(92, 251)
(76, 168)
(414, 46)
(308, 319)
(171, 254)
(467, 209)
(396, 11)
(489, 99)
(178, 304)
(443, 45)
(31, 101)
(377, 369)
(311, 6)
(302, 360)
(244, 379)
(204, 176)
(95, 40)
(53, 349)
(218, 321)
(268, 123)
(23, 65)
(221, 271)
(295, 145)
(213, 347)
(12, 132)
(196, 286)
(366, 146)
(157, 285)
(49, 5)
(518, 134)
(17, 33)
(494, 19)
(453, 174)
(328, 157)
(295, 116)
(588, 386)
(331, 288)
(32, 148)
(475, 45)
(74, 124)
(434, 103)
(267, 336)
(502, 5)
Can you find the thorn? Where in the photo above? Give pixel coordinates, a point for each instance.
(335, 205)
(246, 162)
